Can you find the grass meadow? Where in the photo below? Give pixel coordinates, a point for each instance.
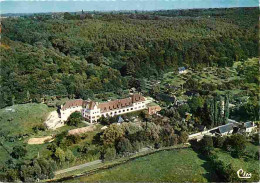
(16, 123)
(182, 165)
(20, 119)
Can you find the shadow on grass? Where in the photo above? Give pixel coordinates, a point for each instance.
(211, 175)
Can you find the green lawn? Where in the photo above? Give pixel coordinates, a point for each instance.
(3, 156)
(175, 166)
(20, 119)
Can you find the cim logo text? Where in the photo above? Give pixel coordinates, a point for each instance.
(243, 175)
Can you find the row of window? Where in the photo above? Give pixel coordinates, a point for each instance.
(116, 112)
(111, 113)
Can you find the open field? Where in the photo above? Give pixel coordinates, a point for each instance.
(175, 166)
(16, 123)
(20, 119)
(183, 165)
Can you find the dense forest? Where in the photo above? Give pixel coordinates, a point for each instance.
(85, 53)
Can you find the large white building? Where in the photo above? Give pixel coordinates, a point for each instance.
(92, 111)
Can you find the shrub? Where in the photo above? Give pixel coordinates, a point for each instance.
(157, 145)
(212, 155)
(12, 175)
(69, 156)
(74, 119)
(104, 120)
(195, 103)
(72, 139)
(183, 137)
(59, 155)
(255, 139)
(40, 127)
(183, 109)
(18, 152)
(165, 134)
(137, 146)
(152, 131)
(173, 140)
(218, 141)
(83, 149)
(111, 135)
(60, 137)
(108, 154)
(257, 155)
(124, 146)
(32, 170)
(229, 173)
(206, 145)
(236, 144)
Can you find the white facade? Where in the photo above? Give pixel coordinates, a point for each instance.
(250, 129)
(94, 114)
(91, 115)
(227, 133)
(183, 72)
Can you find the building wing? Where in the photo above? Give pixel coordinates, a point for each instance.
(72, 103)
(226, 128)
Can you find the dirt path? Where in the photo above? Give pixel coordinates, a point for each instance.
(79, 131)
(89, 164)
(78, 167)
(40, 140)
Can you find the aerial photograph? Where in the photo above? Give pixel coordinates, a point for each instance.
(129, 91)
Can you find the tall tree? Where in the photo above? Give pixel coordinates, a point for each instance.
(226, 109)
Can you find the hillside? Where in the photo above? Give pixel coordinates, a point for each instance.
(17, 125)
(166, 166)
(79, 56)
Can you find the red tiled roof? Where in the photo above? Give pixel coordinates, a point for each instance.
(153, 109)
(120, 103)
(92, 105)
(137, 98)
(72, 103)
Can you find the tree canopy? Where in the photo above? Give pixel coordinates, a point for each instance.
(78, 56)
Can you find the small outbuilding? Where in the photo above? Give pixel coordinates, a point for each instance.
(120, 119)
(249, 126)
(225, 129)
(182, 70)
(153, 108)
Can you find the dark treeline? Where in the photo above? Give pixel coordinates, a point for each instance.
(80, 55)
